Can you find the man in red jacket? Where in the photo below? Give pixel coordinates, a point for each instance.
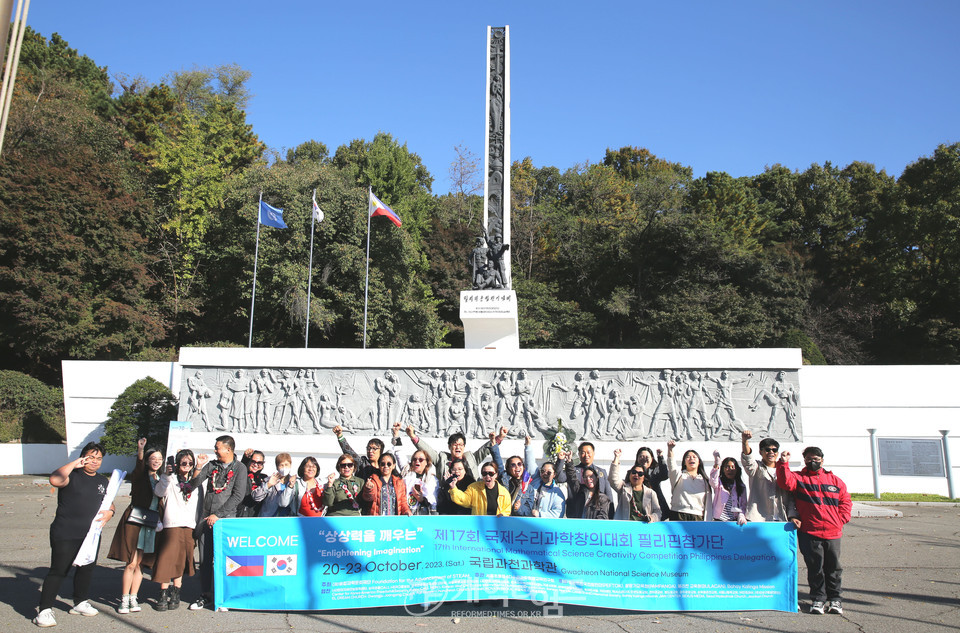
(823, 505)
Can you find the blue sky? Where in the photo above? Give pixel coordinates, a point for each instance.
(718, 86)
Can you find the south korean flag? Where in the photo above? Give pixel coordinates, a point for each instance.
(282, 565)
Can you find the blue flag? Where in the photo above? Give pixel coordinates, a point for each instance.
(271, 216)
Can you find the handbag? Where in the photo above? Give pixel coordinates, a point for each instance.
(146, 518)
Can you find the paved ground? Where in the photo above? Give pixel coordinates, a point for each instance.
(900, 574)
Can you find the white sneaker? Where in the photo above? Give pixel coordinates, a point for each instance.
(198, 604)
(45, 618)
(134, 604)
(124, 607)
(84, 608)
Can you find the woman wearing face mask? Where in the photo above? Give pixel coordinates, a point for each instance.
(280, 488)
(181, 505)
(458, 475)
(421, 484)
(691, 488)
(306, 484)
(729, 493)
(585, 500)
(385, 491)
(135, 540)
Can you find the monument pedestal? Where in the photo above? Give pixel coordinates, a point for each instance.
(489, 319)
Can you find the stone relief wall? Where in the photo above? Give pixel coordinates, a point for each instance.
(604, 405)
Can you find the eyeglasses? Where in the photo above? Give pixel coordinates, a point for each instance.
(254, 462)
(346, 465)
(186, 463)
(489, 474)
(418, 459)
(386, 463)
(460, 444)
(514, 464)
(372, 449)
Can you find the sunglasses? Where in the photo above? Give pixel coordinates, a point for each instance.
(254, 462)
(769, 449)
(346, 465)
(386, 463)
(489, 474)
(186, 463)
(637, 473)
(418, 459)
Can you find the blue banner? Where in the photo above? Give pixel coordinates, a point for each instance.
(291, 564)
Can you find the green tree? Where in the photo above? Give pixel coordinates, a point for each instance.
(30, 411)
(144, 409)
(74, 262)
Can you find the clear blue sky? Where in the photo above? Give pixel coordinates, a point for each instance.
(718, 86)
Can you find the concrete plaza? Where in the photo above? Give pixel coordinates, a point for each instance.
(900, 574)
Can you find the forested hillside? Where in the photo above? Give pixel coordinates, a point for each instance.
(128, 222)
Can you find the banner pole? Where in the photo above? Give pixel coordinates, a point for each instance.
(256, 255)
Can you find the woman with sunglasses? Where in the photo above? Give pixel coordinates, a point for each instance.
(421, 484)
(691, 489)
(485, 497)
(181, 505)
(134, 541)
(306, 485)
(341, 495)
(636, 499)
(385, 491)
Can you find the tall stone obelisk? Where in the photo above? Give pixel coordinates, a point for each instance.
(489, 311)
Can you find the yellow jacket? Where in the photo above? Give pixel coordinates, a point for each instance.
(475, 498)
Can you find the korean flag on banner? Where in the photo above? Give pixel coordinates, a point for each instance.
(282, 565)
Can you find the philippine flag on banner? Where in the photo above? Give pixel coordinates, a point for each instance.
(282, 565)
(271, 216)
(378, 208)
(244, 565)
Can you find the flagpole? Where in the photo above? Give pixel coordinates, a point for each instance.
(366, 286)
(256, 255)
(313, 218)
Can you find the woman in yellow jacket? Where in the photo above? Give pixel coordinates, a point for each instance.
(484, 497)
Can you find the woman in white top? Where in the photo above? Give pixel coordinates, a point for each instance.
(421, 484)
(181, 504)
(691, 488)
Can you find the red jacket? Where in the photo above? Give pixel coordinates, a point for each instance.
(823, 502)
(373, 495)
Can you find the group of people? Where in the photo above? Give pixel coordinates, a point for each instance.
(174, 504)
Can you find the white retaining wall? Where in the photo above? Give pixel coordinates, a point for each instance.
(838, 404)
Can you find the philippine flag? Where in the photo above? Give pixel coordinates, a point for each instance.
(378, 208)
(282, 565)
(244, 565)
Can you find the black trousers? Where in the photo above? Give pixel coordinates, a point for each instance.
(822, 557)
(62, 555)
(205, 545)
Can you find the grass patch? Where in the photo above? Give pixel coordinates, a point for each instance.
(901, 496)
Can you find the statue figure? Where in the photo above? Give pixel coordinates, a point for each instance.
(780, 395)
(262, 386)
(478, 263)
(238, 390)
(199, 392)
(724, 401)
(496, 253)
